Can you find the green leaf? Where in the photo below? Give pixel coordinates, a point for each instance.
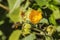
(2, 36)
(26, 5)
(58, 28)
(56, 2)
(1, 33)
(42, 2)
(1, 22)
(14, 10)
(56, 14)
(14, 16)
(14, 4)
(48, 38)
(11, 3)
(55, 10)
(30, 37)
(15, 35)
(52, 20)
(44, 20)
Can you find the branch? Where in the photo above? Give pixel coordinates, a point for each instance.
(4, 7)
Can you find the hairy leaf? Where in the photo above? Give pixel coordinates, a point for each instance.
(14, 4)
(48, 38)
(44, 21)
(52, 20)
(42, 2)
(30, 37)
(58, 28)
(1, 22)
(15, 35)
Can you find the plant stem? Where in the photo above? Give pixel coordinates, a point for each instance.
(36, 29)
(4, 7)
(39, 31)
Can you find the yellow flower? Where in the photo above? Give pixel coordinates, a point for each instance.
(35, 16)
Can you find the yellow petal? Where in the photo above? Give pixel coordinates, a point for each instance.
(35, 16)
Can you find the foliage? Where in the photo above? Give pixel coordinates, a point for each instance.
(30, 19)
(30, 37)
(15, 35)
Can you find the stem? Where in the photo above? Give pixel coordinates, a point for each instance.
(4, 7)
(37, 29)
(44, 33)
